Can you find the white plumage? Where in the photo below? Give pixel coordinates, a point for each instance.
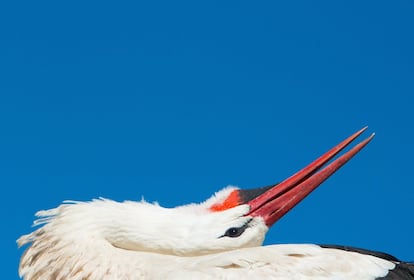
(220, 238)
(103, 239)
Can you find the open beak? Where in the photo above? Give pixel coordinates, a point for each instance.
(277, 200)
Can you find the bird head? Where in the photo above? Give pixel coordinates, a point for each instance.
(232, 218)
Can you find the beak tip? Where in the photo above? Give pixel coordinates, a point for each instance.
(275, 202)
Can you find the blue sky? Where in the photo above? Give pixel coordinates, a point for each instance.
(175, 100)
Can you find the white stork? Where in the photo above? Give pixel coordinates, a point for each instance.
(220, 238)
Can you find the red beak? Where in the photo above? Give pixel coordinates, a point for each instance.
(277, 200)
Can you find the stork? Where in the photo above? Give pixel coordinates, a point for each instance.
(220, 238)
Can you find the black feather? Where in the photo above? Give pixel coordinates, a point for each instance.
(401, 271)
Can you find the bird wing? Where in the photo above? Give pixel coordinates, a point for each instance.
(290, 262)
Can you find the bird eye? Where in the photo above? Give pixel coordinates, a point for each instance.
(234, 232)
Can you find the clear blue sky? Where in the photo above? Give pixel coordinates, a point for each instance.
(174, 100)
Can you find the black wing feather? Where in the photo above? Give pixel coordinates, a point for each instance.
(402, 270)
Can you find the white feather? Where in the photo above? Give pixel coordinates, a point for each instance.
(104, 239)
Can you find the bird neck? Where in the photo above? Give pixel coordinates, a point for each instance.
(87, 241)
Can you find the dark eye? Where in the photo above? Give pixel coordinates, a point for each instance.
(234, 231)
